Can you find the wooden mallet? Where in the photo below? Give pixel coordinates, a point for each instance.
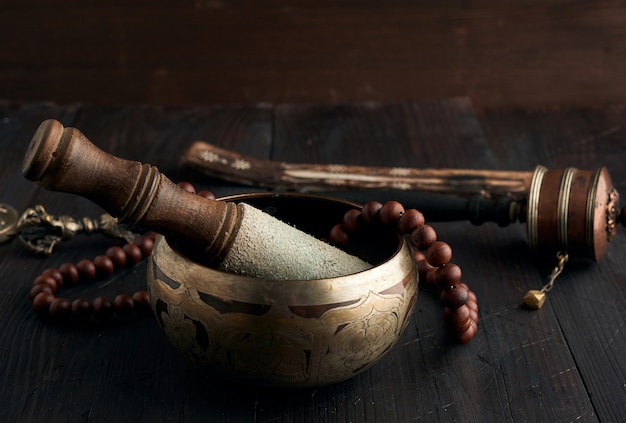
(233, 237)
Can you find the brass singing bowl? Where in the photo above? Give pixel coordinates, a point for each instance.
(287, 333)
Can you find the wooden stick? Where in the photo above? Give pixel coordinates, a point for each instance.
(234, 167)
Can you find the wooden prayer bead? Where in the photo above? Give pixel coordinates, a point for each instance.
(86, 269)
(351, 221)
(55, 274)
(145, 244)
(117, 255)
(187, 187)
(104, 265)
(467, 335)
(60, 309)
(463, 284)
(141, 302)
(391, 212)
(123, 305)
(207, 194)
(133, 253)
(410, 220)
(102, 308)
(370, 212)
(422, 237)
(81, 309)
(454, 296)
(438, 253)
(461, 327)
(448, 275)
(456, 316)
(70, 273)
(46, 280)
(338, 235)
(39, 288)
(42, 301)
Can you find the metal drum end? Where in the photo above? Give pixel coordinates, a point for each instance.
(572, 210)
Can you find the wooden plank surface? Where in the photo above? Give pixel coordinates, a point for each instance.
(218, 51)
(561, 363)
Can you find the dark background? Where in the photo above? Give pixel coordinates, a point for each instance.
(498, 53)
(480, 84)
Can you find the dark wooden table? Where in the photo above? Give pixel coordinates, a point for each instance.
(565, 362)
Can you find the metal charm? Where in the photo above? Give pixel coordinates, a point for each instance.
(536, 298)
(40, 231)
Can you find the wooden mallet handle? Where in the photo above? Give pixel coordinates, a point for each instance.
(63, 159)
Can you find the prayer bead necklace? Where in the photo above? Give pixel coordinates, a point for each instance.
(432, 258)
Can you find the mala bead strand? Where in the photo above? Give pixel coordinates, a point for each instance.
(46, 285)
(431, 256)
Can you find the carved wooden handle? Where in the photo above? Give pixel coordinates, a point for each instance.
(63, 159)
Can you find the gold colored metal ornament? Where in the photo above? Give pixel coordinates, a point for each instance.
(40, 231)
(534, 298)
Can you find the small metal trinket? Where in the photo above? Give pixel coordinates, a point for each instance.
(40, 231)
(535, 298)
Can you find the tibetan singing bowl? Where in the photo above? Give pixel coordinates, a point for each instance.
(287, 333)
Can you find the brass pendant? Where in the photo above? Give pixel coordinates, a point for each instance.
(535, 299)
